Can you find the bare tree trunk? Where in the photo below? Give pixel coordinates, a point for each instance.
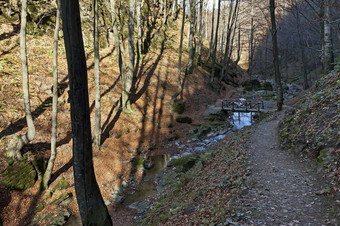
(179, 69)
(164, 18)
(189, 67)
(279, 90)
(215, 43)
(223, 29)
(174, 8)
(49, 168)
(91, 204)
(97, 126)
(238, 45)
(232, 18)
(211, 44)
(206, 21)
(199, 58)
(328, 58)
(17, 142)
(129, 78)
(139, 29)
(251, 39)
(302, 49)
(121, 60)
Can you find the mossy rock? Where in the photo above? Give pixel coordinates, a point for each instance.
(203, 131)
(324, 157)
(267, 86)
(178, 107)
(61, 218)
(138, 162)
(183, 119)
(61, 198)
(251, 84)
(40, 207)
(20, 175)
(175, 137)
(185, 163)
(62, 184)
(39, 218)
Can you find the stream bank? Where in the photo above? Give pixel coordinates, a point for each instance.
(166, 168)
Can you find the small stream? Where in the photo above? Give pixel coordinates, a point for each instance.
(147, 187)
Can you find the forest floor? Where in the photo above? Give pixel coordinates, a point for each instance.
(283, 189)
(126, 137)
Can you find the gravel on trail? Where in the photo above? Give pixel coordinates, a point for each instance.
(282, 189)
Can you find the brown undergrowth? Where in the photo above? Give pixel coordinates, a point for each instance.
(125, 136)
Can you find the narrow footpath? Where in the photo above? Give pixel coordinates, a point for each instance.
(281, 189)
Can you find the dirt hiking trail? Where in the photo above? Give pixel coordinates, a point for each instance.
(281, 189)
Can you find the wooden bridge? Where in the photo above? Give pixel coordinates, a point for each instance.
(242, 106)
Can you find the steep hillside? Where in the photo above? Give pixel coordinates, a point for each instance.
(311, 128)
(126, 137)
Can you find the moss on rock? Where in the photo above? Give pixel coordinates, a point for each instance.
(178, 107)
(19, 176)
(183, 119)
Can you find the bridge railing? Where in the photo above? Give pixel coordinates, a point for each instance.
(237, 105)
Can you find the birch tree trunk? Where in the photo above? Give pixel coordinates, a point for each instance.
(279, 90)
(140, 4)
(164, 18)
(17, 142)
(328, 58)
(49, 168)
(174, 8)
(97, 126)
(91, 204)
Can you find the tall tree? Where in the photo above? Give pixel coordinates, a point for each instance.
(49, 168)
(121, 60)
(189, 67)
(17, 142)
(301, 45)
(232, 18)
(91, 204)
(215, 43)
(164, 17)
(279, 90)
(199, 58)
(238, 45)
(127, 84)
(211, 43)
(140, 4)
(179, 69)
(97, 125)
(328, 56)
(251, 39)
(174, 8)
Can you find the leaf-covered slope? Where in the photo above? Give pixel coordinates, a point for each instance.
(202, 194)
(312, 127)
